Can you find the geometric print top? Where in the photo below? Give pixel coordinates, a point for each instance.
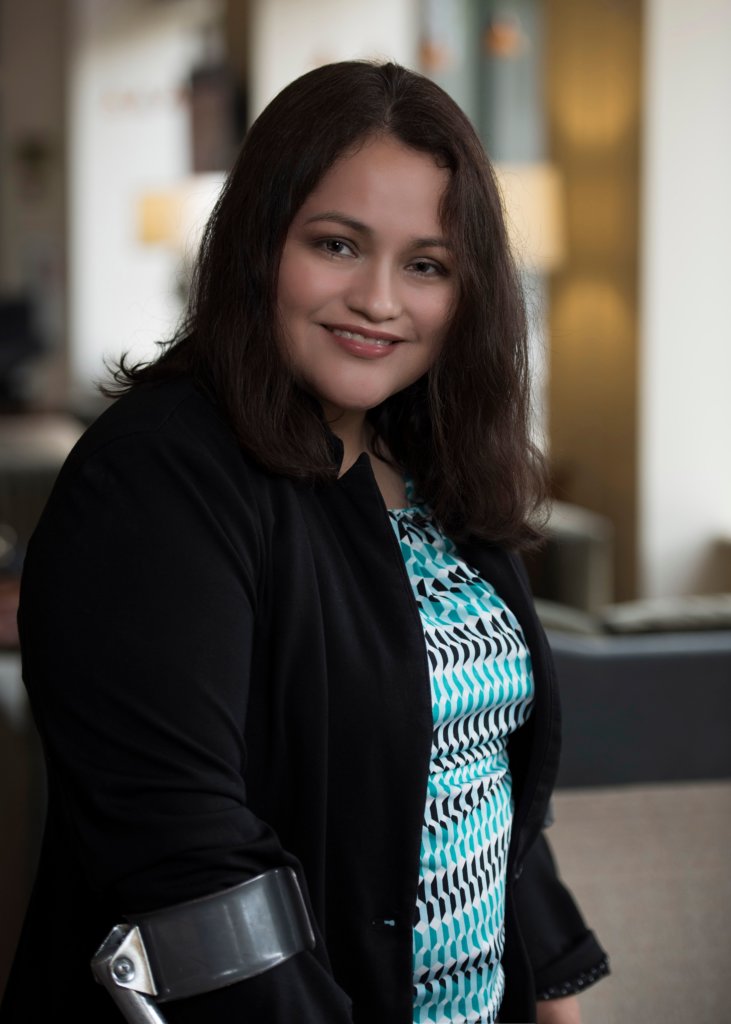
(482, 690)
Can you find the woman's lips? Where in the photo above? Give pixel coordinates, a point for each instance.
(363, 342)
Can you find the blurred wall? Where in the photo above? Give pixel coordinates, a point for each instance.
(32, 175)
(129, 133)
(289, 37)
(685, 377)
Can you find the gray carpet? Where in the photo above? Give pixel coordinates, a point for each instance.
(650, 866)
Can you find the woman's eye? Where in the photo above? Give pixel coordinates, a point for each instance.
(335, 247)
(426, 268)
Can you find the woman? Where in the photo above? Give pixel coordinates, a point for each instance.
(272, 615)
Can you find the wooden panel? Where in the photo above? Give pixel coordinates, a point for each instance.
(593, 88)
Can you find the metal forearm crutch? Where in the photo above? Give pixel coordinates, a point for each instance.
(203, 944)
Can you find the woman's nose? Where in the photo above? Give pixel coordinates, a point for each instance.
(374, 292)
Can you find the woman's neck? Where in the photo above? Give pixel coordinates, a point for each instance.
(356, 434)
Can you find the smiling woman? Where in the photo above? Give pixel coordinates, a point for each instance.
(231, 339)
(275, 632)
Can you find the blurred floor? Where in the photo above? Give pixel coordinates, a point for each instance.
(650, 867)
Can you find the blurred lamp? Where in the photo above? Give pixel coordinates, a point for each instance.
(176, 217)
(533, 202)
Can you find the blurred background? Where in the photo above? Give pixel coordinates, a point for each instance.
(609, 123)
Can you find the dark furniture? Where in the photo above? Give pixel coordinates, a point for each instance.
(643, 708)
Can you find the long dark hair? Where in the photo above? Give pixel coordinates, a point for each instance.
(462, 431)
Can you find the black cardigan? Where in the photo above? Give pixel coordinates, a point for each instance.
(228, 673)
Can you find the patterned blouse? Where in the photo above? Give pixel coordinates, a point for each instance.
(482, 690)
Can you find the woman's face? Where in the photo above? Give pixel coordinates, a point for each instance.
(367, 280)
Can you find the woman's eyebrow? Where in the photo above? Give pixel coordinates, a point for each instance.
(359, 226)
(341, 218)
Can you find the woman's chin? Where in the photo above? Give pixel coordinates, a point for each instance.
(351, 404)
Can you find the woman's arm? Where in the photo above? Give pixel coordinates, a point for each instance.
(564, 953)
(137, 620)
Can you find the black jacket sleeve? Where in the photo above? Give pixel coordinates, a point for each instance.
(137, 623)
(565, 955)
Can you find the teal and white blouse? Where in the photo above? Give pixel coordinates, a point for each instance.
(482, 690)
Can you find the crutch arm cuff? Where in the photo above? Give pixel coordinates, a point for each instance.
(214, 941)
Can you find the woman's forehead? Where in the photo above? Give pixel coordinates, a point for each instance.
(382, 183)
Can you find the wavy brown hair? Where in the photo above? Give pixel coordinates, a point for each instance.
(462, 431)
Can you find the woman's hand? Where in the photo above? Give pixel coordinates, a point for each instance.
(558, 1011)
